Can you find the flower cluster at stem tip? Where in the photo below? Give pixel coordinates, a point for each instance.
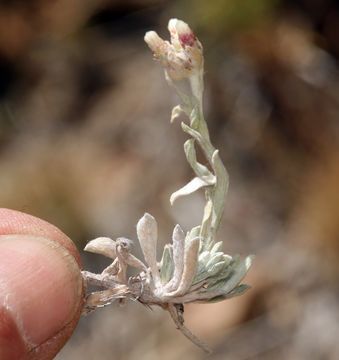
(182, 57)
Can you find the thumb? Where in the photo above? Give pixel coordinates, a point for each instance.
(41, 289)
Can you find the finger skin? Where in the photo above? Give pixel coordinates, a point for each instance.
(16, 222)
(41, 289)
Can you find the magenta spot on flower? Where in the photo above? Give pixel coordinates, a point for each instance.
(187, 39)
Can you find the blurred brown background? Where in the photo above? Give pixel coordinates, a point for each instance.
(85, 143)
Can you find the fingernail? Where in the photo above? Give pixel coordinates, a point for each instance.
(40, 285)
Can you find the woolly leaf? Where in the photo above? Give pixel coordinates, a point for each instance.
(227, 285)
(217, 247)
(236, 292)
(194, 185)
(200, 170)
(147, 231)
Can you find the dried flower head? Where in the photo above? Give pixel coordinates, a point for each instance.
(193, 267)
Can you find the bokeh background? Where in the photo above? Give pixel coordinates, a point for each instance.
(86, 143)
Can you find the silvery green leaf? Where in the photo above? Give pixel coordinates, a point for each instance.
(192, 234)
(205, 225)
(217, 257)
(190, 266)
(147, 231)
(103, 246)
(227, 258)
(200, 170)
(201, 272)
(219, 191)
(204, 258)
(176, 111)
(239, 271)
(204, 142)
(240, 289)
(217, 247)
(233, 262)
(178, 239)
(201, 275)
(167, 266)
(194, 116)
(212, 267)
(216, 268)
(194, 185)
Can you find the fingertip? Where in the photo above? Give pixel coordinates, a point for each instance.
(41, 288)
(16, 222)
